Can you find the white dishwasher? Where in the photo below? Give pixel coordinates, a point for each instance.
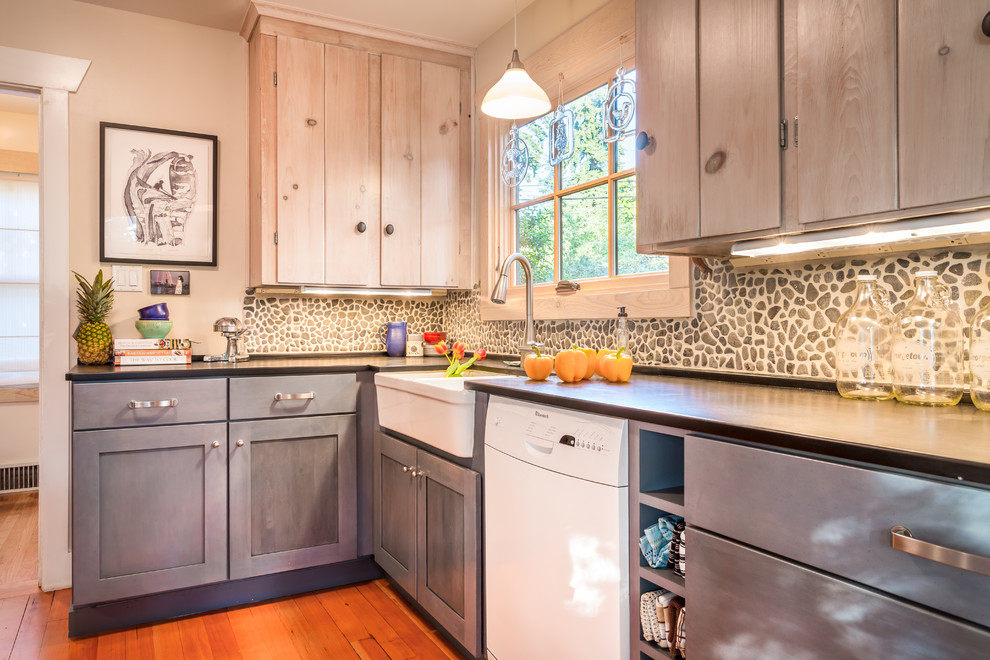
(556, 533)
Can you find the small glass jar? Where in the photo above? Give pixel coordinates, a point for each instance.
(862, 344)
(979, 359)
(927, 354)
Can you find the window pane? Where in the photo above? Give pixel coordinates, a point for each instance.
(19, 354)
(584, 234)
(539, 179)
(629, 262)
(18, 255)
(534, 238)
(590, 159)
(18, 203)
(625, 149)
(19, 310)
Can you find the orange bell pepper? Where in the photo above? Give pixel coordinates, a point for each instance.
(617, 368)
(538, 366)
(570, 365)
(601, 355)
(592, 356)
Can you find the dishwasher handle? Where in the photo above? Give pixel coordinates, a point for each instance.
(537, 446)
(902, 540)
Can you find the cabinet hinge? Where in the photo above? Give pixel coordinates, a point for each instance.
(783, 135)
(795, 130)
(274, 78)
(276, 238)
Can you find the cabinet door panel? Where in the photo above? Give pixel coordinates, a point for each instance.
(845, 104)
(395, 510)
(943, 101)
(351, 180)
(149, 510)
(300, 161)
(667, 110)
(449, 534)
(401, 171)
(440, 193)
(293, 494)
(740, 114)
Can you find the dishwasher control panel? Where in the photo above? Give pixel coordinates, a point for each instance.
(593, 447)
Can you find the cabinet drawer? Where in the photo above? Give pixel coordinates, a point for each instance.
(144, 403)
(839, 518)
(747, 604)
(285, 396)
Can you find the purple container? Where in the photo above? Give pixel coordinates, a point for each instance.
(156, 312)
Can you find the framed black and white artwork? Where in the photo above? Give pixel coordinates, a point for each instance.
(158, 196)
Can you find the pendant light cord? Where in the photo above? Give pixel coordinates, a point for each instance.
(515, 24)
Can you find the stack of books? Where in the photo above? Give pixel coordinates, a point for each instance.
(143, 352)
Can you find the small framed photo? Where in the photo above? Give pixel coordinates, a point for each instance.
(170, 282)
(158, 196)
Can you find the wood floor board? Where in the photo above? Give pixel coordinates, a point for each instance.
(353, 602)
(223, 641)
(422, 645)
(317, 618)
(11, 613)
(18, 543)
(112, 646)
(194, 639)
(31, 633)
(369, 649)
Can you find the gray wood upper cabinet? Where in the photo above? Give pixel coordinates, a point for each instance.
(293, 493)
(427, 534)
(149, 510)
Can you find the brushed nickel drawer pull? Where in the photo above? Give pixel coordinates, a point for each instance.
(901, 539)
(167, 403)
(292, 397)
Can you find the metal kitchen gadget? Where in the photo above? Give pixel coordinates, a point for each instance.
(232, 329)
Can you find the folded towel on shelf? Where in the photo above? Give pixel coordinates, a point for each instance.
(656, 541)
(662, 634)
(680, 637)
(648, 613)
(678, 548)
(670, 618)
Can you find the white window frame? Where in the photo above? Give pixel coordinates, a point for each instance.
(587, 55)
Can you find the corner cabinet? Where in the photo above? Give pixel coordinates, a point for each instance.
(427, 534)
(360, 160)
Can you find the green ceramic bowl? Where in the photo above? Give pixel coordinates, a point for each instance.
(151, 329)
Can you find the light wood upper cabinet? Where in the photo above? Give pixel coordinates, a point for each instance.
(843, 139)
(667, 111)
(360, 160)
(944, 101)
(300, 161)
(740, 111)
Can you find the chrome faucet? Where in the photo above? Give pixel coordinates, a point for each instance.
(529, 342)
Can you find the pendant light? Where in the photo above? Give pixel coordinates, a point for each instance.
(515, 95)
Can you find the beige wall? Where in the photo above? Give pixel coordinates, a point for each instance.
(149, 72)
(539, 23)
(19, 131)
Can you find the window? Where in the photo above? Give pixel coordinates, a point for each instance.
(19, 280)
(577, 221)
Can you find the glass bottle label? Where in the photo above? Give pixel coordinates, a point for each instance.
(851, 356)
(979, 359)
(913, 357)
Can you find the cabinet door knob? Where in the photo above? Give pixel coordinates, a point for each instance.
(361, 227)
(240, 443)
(715, 162)
(644, 140)
(389, 229)
(311, 122)
(986, 24)
(216, 443)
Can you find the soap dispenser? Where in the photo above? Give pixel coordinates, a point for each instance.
(622, 331)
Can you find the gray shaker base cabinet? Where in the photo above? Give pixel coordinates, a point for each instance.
(427, 534)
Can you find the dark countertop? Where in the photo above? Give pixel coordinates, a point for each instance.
(953, 443)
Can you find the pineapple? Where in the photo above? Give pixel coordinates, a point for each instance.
(93, 301)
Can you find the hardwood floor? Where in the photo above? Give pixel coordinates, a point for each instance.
(18, 544)
(368, 621)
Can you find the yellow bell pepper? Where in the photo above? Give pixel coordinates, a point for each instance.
(601, 355)
(592, 356)
(538, 366)
(570, 365)
(617, 368)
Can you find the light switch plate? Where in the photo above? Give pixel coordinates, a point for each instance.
(127, 278)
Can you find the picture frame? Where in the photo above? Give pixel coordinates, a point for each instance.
(169, 282)
(158, 196)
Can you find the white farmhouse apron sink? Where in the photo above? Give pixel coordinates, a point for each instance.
(426, 406)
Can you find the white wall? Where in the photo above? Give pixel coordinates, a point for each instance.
(149, 72)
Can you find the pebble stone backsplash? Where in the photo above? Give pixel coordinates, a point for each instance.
(767, 320)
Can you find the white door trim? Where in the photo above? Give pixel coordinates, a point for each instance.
(54, 76)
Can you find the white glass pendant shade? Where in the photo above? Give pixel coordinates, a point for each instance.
(515, 95)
